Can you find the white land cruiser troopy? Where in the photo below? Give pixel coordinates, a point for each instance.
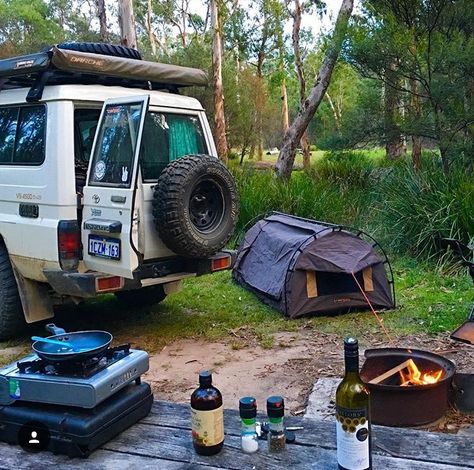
(108, 181)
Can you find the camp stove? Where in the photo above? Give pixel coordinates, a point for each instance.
(72, 403)
(83, 384)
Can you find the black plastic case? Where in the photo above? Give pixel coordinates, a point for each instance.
(76, 432)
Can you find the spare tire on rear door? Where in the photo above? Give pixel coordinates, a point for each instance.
(195, 206)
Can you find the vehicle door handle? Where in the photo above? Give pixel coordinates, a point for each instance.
(119, 199)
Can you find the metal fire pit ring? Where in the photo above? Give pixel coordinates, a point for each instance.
(393, 405)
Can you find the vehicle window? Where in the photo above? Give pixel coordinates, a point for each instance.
(85, 121)
(118, 132)
(167, 137)
(8, 122)
(29, 142)
(22, 135)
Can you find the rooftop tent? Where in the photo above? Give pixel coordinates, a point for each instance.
(57, 66)
(300, 267)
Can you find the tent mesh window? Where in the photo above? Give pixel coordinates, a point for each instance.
(338, 283)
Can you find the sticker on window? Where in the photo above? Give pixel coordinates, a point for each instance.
(124, 174)
(99, 170)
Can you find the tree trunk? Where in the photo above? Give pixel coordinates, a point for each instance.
(260, 102)
(286, 158)
(416, 151)
(415, 110)
(219, 117)
(394, 142)
(284, 107)
(101, 14)
(149, 28)
(334, 112)
(295, 36)
(126, 20)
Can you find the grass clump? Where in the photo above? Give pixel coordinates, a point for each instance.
(417, 208)
(408, 211)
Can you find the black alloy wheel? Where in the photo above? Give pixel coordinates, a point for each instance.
(206, 207)
(195, 206)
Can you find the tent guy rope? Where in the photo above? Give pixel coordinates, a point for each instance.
(373, 310)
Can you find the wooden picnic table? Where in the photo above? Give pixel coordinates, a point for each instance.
(163, 441)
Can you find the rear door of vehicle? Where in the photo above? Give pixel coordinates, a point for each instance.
(111, 208)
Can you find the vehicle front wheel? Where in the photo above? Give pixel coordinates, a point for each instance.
(142, 297)
(12, 320)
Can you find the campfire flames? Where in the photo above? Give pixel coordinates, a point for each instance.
(415, 377)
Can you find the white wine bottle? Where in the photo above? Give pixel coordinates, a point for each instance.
(353, 414)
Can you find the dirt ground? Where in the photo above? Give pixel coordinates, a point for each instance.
(289, 368)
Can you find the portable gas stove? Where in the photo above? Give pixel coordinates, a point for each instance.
(84, 383)
(82, 403)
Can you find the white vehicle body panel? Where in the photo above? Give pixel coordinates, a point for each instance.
(32, 242)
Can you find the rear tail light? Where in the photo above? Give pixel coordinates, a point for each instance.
(69, 244)
(108, 284)
(221, 263)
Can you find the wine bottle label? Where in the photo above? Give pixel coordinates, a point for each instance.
(208, 426)
(352, 426)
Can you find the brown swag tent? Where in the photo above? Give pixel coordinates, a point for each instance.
(300, 267)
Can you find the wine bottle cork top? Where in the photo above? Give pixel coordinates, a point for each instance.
(351, 346)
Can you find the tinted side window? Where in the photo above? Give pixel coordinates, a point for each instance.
(29, 145)
(167, 137)
(8, 122)
(22, 135)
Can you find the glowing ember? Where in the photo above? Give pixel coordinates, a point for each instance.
(415, 377)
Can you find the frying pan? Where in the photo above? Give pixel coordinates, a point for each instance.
(87, 344)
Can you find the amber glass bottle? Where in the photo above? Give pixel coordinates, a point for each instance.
(207, 415)
(353, 414)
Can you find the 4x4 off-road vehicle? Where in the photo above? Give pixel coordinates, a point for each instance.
(109, 181)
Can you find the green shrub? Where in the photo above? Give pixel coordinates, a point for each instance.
(418, 208)
(345, 169)
(405, 210)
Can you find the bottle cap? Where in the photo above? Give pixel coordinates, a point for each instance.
(275, 407)
(205, 378)
(248, 407)
(351, 346)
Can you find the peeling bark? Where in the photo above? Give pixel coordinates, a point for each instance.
(126, 20)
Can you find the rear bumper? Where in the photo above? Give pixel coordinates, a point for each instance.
(158, 272)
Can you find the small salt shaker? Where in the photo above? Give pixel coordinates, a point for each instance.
(248, 418)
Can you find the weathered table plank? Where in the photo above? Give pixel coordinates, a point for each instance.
(398, 442)
(163, 441)
(14, 457)
(137, 449)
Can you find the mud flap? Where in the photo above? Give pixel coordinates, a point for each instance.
(35, 298)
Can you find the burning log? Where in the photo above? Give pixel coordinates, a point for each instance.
(390, 372)
(413, 377)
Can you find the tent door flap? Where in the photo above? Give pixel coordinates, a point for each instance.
(311, 285)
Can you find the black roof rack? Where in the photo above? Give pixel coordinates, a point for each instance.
(59, 67)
